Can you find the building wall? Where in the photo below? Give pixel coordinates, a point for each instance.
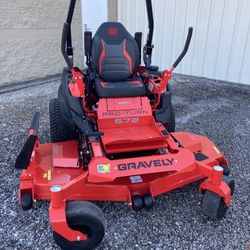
(112, 10)
(30, 34)
(220, 47)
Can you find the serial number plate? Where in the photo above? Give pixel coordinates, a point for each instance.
(136, 179)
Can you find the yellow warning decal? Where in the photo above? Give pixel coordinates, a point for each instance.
(47, 175)
(216, 149)
(103, 168)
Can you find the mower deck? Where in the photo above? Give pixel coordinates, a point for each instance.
(118, 180)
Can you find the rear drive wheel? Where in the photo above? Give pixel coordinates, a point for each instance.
(58, 130)
(87, 218)
(170, 125)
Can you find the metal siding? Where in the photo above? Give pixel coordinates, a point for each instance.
(220, 48)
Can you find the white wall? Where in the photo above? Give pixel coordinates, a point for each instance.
(220, 48)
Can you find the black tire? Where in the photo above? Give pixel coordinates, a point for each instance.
(26, 202)
(58, 130)
(148, 201)
(226, 170)
(170, 125)
(230, 183)
(213, 205)
(137, 203)
(86, 217)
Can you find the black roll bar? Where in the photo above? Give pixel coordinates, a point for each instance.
(65, 35)
(147, 51)
(69, 21)
(66, 42)
(187, 43)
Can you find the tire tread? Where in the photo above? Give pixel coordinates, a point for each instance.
(170, 126)
(58, 130)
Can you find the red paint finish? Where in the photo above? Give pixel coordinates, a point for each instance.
(65, 155)
(126, 54)
(141, 166)
(102, 56)
(77, 86)
(135, 82)
(124, 112)
(104, 84)
(113, 184)
(109, 180)
(129, 126)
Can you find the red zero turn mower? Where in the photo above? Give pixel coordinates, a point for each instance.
(112, 139)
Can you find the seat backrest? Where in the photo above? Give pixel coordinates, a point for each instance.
(115, 54)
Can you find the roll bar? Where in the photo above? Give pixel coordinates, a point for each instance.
(64, 47)
(66, 42)
(147, 51)
(187, 43)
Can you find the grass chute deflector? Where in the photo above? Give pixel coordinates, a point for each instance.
(113, 138)
(23, 159)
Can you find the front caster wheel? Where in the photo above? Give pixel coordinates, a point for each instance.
(26, 202)
(226, 170)
(230, 182)
(148, 201)
(137, 203)
(213, 205)
(87, 218)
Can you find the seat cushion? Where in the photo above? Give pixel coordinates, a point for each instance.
(132, 87)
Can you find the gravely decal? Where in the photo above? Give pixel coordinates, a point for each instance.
(145, 164)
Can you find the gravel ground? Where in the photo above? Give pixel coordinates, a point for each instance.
(216, 109)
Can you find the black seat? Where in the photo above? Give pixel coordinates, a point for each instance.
(115, 57)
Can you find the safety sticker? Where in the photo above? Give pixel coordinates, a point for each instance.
(103, 168)
(47, 175)
(150, 87)
(136, 179)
